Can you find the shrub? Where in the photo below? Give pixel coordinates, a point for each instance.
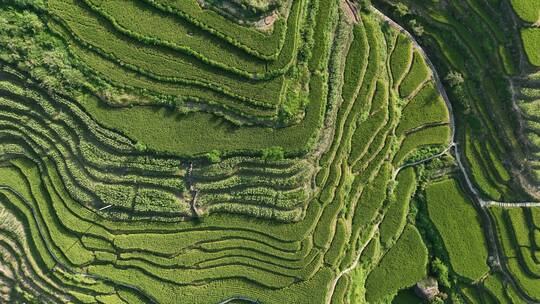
(395, 217)
(401, 58)
(273, 153)
(213, 156)
(441, 271)
(401, 9)
(417, 28)
(454, 78)
(139, 146)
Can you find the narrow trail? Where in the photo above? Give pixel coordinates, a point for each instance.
(443, 152)
(374, 230)
(511, 205)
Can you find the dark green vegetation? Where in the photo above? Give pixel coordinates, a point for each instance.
(246, 151)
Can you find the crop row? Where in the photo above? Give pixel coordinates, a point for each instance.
(207, 48)
(513, 232)
(487, 185)
(425, 108)
(158, 64)
(254, 138)
(244, 180)
(24, 270)
(395, 218)
(255, 42)
(131, 80)
(417, 74)
(142, 57)
(368, 133)
(42, 249)
(401, 59)
(76, 251)
(41, 134)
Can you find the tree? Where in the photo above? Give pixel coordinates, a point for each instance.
(454, 78)
(365, 5)
(417, 28)
(213, 156)
(139, 146)
(273, 153)
(385, 27)
(401, 9)
(441, 271)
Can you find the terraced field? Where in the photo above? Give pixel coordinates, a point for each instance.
(246, 151)
(486, 52)
(528, 94)
(460, 233)
(527, 84)
(519, 234)
(476, 83)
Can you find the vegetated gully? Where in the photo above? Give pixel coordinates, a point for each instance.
(482, 204)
